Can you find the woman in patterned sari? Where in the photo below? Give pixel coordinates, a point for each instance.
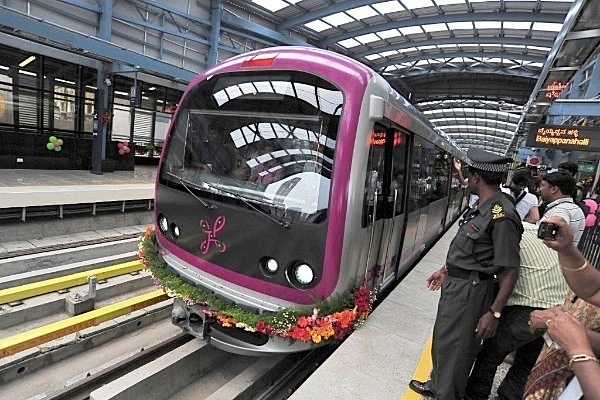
(573, 327)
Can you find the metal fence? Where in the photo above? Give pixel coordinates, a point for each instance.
(589, 245)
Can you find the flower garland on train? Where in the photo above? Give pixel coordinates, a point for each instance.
(328, 321)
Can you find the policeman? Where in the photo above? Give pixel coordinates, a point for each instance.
(486, 244)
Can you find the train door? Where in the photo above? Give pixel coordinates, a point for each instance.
(428, 202)
(385, 190)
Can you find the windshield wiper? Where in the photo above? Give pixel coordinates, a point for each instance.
(185, 184)
(282, 223)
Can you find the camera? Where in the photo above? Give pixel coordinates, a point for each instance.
(547, 231)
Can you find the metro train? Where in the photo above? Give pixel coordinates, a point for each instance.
(290, 178)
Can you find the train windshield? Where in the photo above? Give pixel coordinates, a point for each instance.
(266, 138)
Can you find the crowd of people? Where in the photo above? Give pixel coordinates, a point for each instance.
(506, 291)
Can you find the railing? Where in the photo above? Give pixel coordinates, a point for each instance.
(589, 245)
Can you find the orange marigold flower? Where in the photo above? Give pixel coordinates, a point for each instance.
(302, 322)
(299, 333)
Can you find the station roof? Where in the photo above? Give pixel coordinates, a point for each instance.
(480, 70)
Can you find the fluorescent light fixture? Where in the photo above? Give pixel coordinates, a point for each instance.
(151, 88)
(26, 61)
(64, 81)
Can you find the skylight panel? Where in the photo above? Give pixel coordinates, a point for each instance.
(362, 12)
(547, 26)
(409, 30)
(447, 2)
(460, 25)
(338, 19)
(409, 49)
(372, 57)
(516, 25)
(389, 33)
(388, 7)
(429, 47)
(413, 4)
(434, 27)
(349, 43)
(539, 48)
(368, 38)
(389, 53)
(487, 24)
(272, 5)
(317, 25)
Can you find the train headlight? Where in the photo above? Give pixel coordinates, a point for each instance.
(163, 224)
(272, 265)
(269, 266)
(301, 275)
(175, 230)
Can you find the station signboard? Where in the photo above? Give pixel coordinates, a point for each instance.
(564, 137)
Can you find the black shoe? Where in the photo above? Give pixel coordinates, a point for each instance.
(422, 388)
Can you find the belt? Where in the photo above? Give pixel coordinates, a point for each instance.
(466, 274)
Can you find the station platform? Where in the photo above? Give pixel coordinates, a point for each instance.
(78, 199)
(392, 347)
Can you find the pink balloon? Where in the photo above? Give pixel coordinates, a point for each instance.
(120, 145)
(56, 144)
(591, 204)
(121, 152)
(590, 221)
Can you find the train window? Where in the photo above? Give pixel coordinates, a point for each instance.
(374, 178)
(430, 172)
(265, 137)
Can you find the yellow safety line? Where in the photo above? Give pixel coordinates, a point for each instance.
(422, 371)
(44, 334)
(64, 282)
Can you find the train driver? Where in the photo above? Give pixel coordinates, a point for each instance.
(209, 153)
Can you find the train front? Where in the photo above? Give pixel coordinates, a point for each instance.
(242, 203)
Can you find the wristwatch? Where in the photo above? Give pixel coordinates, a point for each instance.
(496, 314)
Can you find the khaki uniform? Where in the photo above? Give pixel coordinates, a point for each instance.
(487, 240)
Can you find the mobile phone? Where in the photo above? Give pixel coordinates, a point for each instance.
(547, 231)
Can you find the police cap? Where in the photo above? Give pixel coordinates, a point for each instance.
(486, 161)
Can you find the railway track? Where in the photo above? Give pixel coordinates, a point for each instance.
(126, 347)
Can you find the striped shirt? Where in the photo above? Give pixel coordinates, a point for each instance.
(541, 283)
(570, 212)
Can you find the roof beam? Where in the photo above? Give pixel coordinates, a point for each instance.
(459, 40)
(570, 107)
(259, 30)
(79, 43)
(467, 54)
(331, 9)
(447, 18)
